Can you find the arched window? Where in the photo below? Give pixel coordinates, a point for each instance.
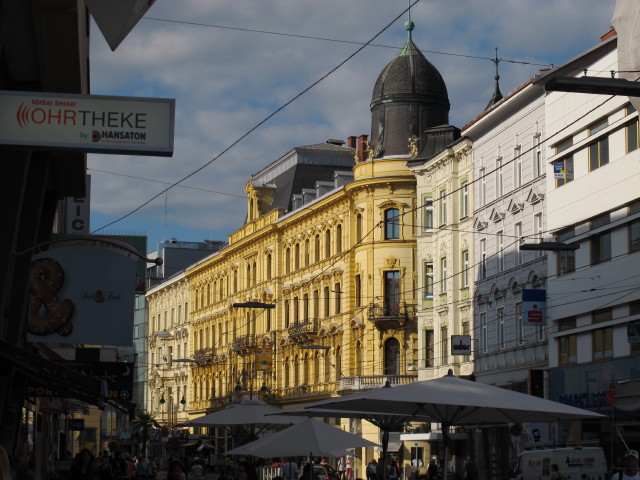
(254, 278)
(392, 357)
(296, 258)
(339, 239)
(317, 249)
(269, 266)
(359, 227)
(248, 281)
(358, 359)
(391, 224)
(287, 260)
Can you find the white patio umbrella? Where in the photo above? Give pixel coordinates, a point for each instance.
(308, 437)
(453, 401)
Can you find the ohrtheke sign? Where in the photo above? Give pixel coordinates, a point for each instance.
(91, 123)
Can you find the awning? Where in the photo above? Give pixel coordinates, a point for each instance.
(392, 447)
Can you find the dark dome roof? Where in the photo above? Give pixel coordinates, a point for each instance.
(410, 73)
(409, 97)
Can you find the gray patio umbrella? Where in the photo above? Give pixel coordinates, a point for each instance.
(249, 412)
(308, 437)
(454, 401)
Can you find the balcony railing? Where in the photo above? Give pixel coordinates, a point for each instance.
(391, 314)
(244, 342)
(368, 382)
(307, 328)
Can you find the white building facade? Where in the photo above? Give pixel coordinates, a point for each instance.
(594, 291)
(509, 201)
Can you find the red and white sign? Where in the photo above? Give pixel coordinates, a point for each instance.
(90, 123)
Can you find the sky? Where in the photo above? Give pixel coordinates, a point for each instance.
(230, 65)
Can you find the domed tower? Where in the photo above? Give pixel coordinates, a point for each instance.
(409, 97)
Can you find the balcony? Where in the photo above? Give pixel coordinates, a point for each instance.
(368, 382)
(390, 315)
(244, 343)
(303, 330)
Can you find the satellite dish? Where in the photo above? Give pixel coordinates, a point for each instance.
(626, 21)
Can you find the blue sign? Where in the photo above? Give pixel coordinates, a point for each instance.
(76, 424)
(534, 308)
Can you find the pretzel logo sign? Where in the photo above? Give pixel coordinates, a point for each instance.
(47, 313)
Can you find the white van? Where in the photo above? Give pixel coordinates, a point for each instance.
(576, 463)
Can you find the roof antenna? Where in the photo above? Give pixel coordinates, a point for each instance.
(497, 95)
(409, 25)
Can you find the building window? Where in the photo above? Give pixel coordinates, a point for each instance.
(602, 315)
(517, 232)
(358, 286)
(600, 247)
(464, 200)
(317, 249)
(568, 350)
(465, 268)
(631, 131)
(482, 187)
(634, 236)
(268, 266)
(599, 125)
(484, 334)
(566, 260)
(428, 215)
(296, 257)
(287, 260)
(483, 258)
(391, 224)
(567, 162)
(517, 166)
(327, 244)
(602, 343)
(538, 230)
(538, 168)
(599, 153)
(444, 346)
(307, 253)
(500, 238)
(428, 280)
(443, 275)
(359, 227)
(338, 293)
(287, 313)
(428, 348)
(326, 301)
(443, 207)
(391, 292)
(296, 310)
(499, 178)
(500, 328)
(518, 323)
(338, 239)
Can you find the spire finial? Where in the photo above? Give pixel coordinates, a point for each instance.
(409, 25)
(497, 95)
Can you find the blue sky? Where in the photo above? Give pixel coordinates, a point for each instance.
(226, 80)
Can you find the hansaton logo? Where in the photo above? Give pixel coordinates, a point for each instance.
(95, 136)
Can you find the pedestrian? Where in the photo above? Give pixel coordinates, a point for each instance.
(341, 467)
(5, 467)
(177, 470)
(348, 472)
(306, 471)
(153, 468)
(393, 470)
(105, 470)
(246, 471)
(630, 471)
(470, 470)
(290, 470)
(432, 469)
(21, 467)
(372, 470)
(84, 467)
(143, 467)
(556, 474)
(196, 472)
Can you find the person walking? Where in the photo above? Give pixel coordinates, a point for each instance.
(348, 472)
(341, 467)
(470, 470)
(84, 467)
(630, 472)
(372, 470)
(290, 470)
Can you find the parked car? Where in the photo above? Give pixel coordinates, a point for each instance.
(321, 472)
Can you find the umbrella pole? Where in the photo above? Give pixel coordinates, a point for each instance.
(446, 438)
(385, 448)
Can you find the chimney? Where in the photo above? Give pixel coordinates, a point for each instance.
(351, 141)
(362, 151)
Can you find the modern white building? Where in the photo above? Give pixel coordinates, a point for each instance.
(593, 201)
(509, 210)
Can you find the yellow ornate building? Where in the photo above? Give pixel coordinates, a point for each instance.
(316, 294)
